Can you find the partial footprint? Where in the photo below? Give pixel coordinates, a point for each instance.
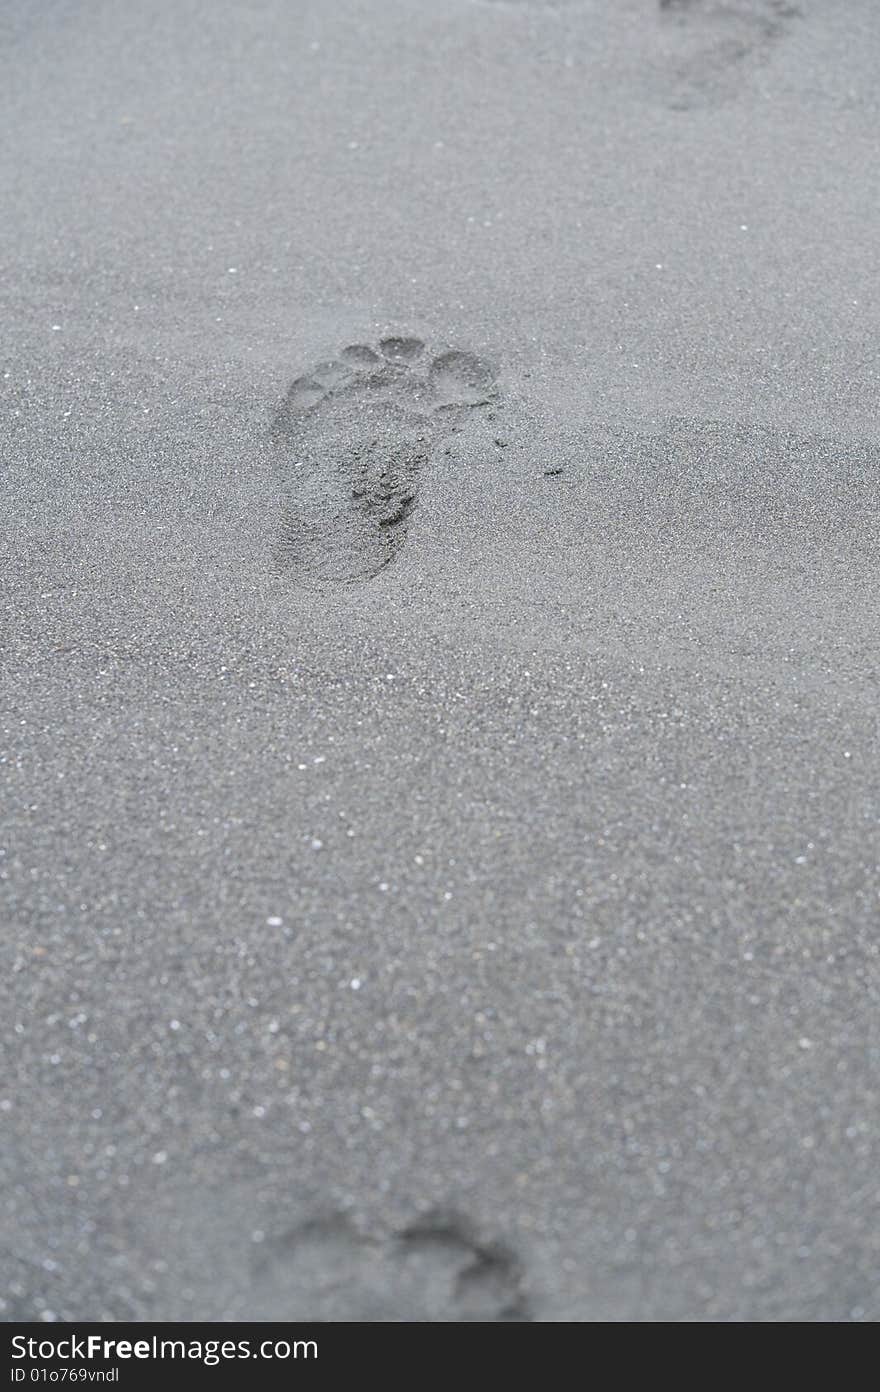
(474, 1281)
(712, 44)
(353, 437)
(435, 1270)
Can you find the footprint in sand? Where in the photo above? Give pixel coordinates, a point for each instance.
(353, 436)
(435, 1270)
(714, 43)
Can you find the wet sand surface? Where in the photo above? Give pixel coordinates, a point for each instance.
(440, 618)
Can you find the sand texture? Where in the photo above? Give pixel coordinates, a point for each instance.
(438, 715)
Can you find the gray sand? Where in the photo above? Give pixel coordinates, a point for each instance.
(439, 850)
